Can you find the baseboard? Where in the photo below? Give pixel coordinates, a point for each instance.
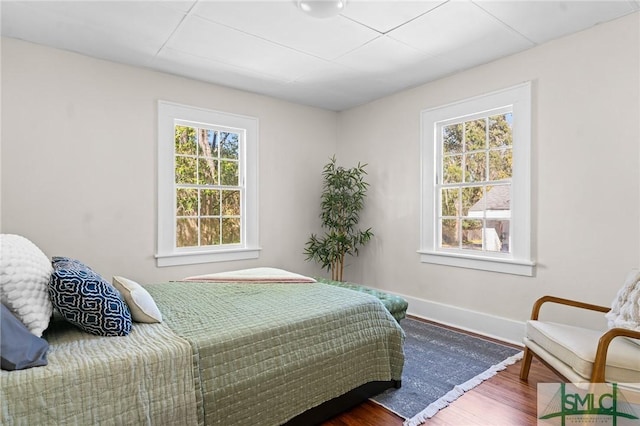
(477, 322)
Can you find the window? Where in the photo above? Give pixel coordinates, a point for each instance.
(207, 186)
(476, 183)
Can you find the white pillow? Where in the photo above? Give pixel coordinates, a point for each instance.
(625, 309)
(24, 282)
(142, 306)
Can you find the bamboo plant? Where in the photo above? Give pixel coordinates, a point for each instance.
(342, 199)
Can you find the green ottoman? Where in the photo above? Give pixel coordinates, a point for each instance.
(394, 304)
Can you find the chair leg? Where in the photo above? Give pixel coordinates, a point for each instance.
(526, 364)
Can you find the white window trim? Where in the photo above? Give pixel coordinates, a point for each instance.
(167, 253)
(519, 261)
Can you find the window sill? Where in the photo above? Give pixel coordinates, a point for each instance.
(502, 265)
(194, 257)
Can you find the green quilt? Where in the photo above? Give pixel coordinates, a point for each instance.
(264, 353)
(226, 354)
(144, 378)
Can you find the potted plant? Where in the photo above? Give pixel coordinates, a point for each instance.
(342, 199)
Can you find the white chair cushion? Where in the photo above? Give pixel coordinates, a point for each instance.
(576, 347)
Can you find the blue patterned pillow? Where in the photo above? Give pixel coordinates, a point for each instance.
(85, 299)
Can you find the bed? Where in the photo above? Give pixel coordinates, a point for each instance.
(228, 352)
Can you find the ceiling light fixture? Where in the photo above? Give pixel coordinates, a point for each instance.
(322, 8)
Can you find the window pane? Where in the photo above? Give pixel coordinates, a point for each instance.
(475, 135)
(471, 205)
(500, 164)
(472, 234)
(209, 202)
(497, 235)
(450, 233)
(231, 230)
(500, 131)
(187, 232)
(229, 173)
(231, 203)
(475, 167)
(207, 171)
(185, 170)
(452, 169)
(185, 140)
(450, 202)
(452, 139)
(208, 143)
(186, 202)
(210, 231)
(498, 202)
(229, 145)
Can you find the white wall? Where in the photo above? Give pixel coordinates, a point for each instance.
(79, 161)
(586, 205)
(79, 153)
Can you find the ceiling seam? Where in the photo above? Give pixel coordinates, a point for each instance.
(397, 26)
(418, 16)
(293, 49)
(175, 30)
(473, 2)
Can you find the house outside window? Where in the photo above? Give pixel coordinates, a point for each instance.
(207, 186)
(476, 183)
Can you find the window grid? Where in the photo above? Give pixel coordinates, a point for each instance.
(225, 217)
(462, 230)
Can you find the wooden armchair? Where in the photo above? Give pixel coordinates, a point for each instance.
(581, 355)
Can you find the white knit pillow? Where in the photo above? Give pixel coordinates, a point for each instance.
(24, 282)
(625, 309)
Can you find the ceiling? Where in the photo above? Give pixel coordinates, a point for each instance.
(372, 49)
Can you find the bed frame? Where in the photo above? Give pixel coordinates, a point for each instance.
(335, 406)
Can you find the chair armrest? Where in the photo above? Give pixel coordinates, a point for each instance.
(568, 302)
(600, 362)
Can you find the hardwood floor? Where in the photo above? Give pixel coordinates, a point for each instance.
(502, 400)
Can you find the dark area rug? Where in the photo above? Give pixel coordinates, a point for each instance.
(440, 365)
